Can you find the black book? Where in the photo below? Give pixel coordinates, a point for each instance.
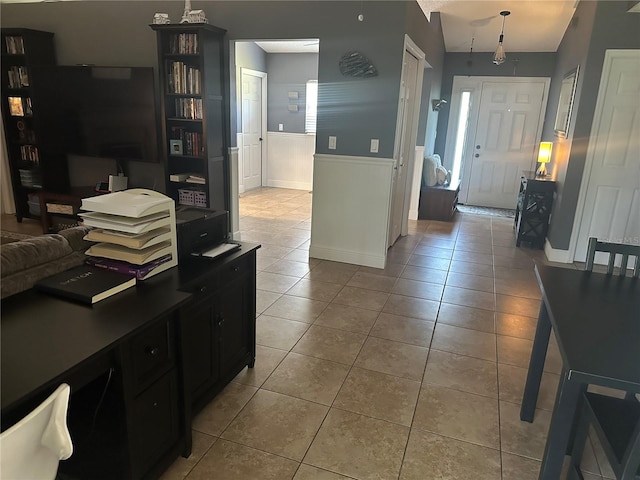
(86, 284)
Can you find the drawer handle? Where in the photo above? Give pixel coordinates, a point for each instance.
(155, 404)
(153, 351)
(221, 322)
(203, 289)
(235, 269)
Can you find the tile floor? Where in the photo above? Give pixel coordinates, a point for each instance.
(411, 372)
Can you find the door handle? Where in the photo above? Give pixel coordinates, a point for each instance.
(260, 139)
(477, 155)
(477, 147)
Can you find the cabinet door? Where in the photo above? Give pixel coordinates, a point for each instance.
(234, 320)
(199, 347)
(156, 422)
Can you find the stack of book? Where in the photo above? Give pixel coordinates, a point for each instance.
(135, 231)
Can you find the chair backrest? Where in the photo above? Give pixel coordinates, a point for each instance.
(613, 249)
(33, 447)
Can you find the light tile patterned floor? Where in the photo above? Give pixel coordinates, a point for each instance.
(411, 372)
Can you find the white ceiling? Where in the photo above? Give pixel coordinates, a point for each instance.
(533, 26)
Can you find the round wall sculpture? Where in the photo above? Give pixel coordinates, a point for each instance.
(354, 64)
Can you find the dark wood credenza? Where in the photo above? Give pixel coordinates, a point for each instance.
(439, 202)
(140, 364)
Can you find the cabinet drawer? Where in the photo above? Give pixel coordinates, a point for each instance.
(156, 421)
(151, 352)
(223, 276)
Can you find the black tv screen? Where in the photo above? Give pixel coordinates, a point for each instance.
(107, 112)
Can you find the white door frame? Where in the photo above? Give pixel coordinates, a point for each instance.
(609, 56)
(473, 84)
(263, 133)
(411, 47)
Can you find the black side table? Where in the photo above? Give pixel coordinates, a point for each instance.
(535, 200)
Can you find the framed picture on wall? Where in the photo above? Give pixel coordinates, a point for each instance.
(565, 102)
(175, 147)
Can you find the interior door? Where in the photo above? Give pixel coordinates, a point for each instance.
(612, 203)
(399, 187)
(251, 131)
(505, 141)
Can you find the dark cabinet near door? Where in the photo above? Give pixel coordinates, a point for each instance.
(194, 111)
(218, 330)
(533, 209)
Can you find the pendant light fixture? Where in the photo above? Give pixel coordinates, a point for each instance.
(499, 57)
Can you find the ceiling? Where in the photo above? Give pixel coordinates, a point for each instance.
(533, 26)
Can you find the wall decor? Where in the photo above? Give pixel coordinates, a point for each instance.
(354, 64)
(565, 102)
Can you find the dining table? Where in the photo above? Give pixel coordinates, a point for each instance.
(596, 321)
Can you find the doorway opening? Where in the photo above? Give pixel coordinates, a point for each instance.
(276, 84)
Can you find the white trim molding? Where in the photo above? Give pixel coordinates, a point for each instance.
(234, 201)
(290, 160)
(557, 255)
(351, 208)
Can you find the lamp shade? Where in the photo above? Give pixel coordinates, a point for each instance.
(544, 154)
(499, 57)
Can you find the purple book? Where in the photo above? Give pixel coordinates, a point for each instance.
(140, 271)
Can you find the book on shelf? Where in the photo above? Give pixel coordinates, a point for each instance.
(199, 179)
(179, 177)
(131, 240)
(137, 257)
(139, 271)
(15, 44)
(86, 284)
(125, 204)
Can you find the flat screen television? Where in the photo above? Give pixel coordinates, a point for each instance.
(107, 112)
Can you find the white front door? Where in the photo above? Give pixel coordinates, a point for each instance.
(612, 203)
(251, 130)
(399, 186)
(506, 140)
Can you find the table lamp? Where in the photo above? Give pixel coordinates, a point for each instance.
(544, 157)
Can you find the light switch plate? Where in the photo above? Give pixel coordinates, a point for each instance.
(332, 142)
(281, 127)
(375, 143)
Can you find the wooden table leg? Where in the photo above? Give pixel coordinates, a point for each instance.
(536, 365)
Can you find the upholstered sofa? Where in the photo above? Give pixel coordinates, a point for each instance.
(26, 261)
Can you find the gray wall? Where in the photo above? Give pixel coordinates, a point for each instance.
(596, 27)
(244, 55)
(355, 110)
(528, 65)
(288, 72)
(428, 36)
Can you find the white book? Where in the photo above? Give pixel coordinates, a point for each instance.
(178, 177)
(126, 203)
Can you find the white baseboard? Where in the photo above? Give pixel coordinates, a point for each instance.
(290, 184)
(345, 256)
(556, 255)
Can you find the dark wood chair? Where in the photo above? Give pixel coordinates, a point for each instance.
(614, 249)
(616, 422)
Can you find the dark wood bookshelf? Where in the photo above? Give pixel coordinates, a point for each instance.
(31, 167)
(202, 75)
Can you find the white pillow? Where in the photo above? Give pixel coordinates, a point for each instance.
(429, 170)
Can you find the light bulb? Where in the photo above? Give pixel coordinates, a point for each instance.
(499, 57)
